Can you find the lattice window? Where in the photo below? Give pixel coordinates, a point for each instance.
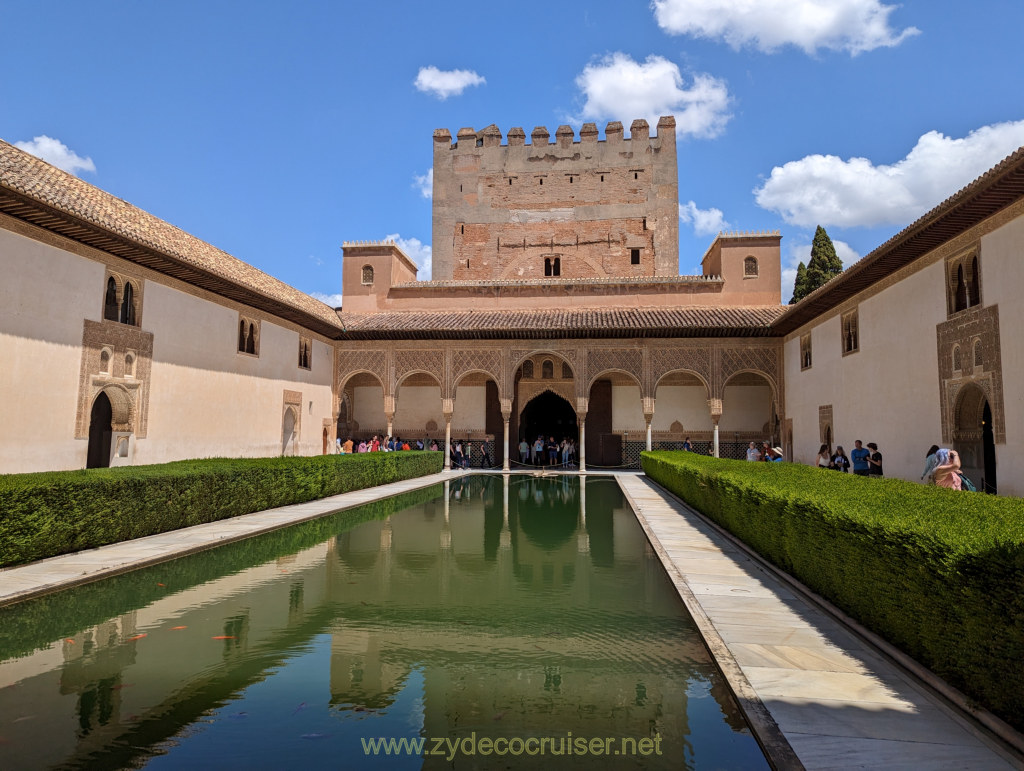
(956, 358)
(367, 275)
(305, 353)
(979, 354)
(805, 352)
(528, 368)
(750, 266)
(105, 361)
(547, 369)
(851, 333)
(963, 283)
(566, 371)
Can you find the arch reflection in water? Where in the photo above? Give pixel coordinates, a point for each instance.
(476, 610)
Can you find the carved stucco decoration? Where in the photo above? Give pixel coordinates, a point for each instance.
(487, 360)
(128, 391)
(603, 360)
(426, 360)
(693, 359)
(354, 361)
(966, 329)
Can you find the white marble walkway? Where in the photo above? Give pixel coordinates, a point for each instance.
(20, 583)
(804, 679)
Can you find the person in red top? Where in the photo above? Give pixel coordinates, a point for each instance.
(374, 444)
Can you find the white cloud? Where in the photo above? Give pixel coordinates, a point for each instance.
(841, 25)
(620, 88)
(801, 252)
(445, 83)
(706, 222)
(425, 183)
(334, 300)
(826, 190)
(417, 251)
(56, 152)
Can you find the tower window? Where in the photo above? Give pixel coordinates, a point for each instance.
(750, 266)
(556, 267)
(635, 175)
(634, 256)
(547, 266)
(602, 177)
(367, 277)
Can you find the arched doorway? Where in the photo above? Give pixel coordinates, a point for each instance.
(100, 431)
(288, 433)
(974, 440)
(547, 415)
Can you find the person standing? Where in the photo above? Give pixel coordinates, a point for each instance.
(874, 461)
(947, 474)
(347, 447)
(552, 448)
(859, 456)
(485, 456)
(687, 447)
(753, 454)
(538, 452)
(823, 460)
(839, 461)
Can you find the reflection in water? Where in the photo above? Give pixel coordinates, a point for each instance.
(530, 608)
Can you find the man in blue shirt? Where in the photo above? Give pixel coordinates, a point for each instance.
(859, 456)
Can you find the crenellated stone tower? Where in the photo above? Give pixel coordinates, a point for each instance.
(566, 208)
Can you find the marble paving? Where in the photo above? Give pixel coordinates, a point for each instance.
(819, 696)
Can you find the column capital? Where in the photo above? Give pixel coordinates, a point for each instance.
(447, 408)
(582, 404)
(506, 409)
(715, 407)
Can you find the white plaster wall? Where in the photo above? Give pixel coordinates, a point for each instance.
(44, 298)
(1002, 284)
(744, 408)
(627, 410)
(687, 404)
(208, 400)
(887, 392)
(415, 406)
(368, 410)
(470, 409)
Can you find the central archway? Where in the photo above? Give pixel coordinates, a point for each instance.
(100, 432)
(548, 414)
(973, 438)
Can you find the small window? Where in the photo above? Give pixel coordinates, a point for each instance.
(851, 333)
(570, 179)
(547, 266)
(547, 370)
(960, 293)
(566, 371)
(250, 339)
(634, 256)
(956, 358)
(635, 175)
(750, 266)
(128, 305)
(110, 307)
(305, 350)
(367, 275)
(542, 180)
(645, 223)
(105, 361)
(241, 336)
(510, 181)
(805, 352)
(602, 177)
(974, 286)
(129, 364)
(979, 355)
(556, 267)
(528, 368)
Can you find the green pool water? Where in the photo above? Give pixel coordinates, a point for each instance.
(491, 622)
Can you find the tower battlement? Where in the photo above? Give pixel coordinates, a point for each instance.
(568, 205)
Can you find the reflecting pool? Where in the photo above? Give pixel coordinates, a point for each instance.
(490, 622)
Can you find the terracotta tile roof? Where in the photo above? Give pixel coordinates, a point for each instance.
(993, 191)
(548, 281)
(691, 321)
(35, 191)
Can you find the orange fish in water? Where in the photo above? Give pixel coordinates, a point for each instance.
(223, 637)
(69, 640)
(178, 627)
(159, 584)
(137, 637)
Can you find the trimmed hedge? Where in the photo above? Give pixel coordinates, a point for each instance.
(34, 624)
(51, 513)
(939, 573)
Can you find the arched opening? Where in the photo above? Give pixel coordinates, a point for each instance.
(110, 301)
(548, 415)
(478, 411)
(973, 438)
(128, 305)
(680, 397)
(288, 432)
(250, 340)
(365, 414)
(960, 293)
(100, 432)
(418, 404)
(748, 415)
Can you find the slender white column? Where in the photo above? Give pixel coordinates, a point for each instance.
(447, 442)
(716, 440)
(583, 445)
(648, 437)
(504, 462)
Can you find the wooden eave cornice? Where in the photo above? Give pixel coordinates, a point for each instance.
(36, 213)
(983, 198)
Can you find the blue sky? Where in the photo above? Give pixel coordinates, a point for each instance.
(278, 131)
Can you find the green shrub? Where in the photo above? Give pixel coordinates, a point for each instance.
(43, 515)
(938, 573)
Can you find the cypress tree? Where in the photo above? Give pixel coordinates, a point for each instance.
(824, 264)
(800, 285)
